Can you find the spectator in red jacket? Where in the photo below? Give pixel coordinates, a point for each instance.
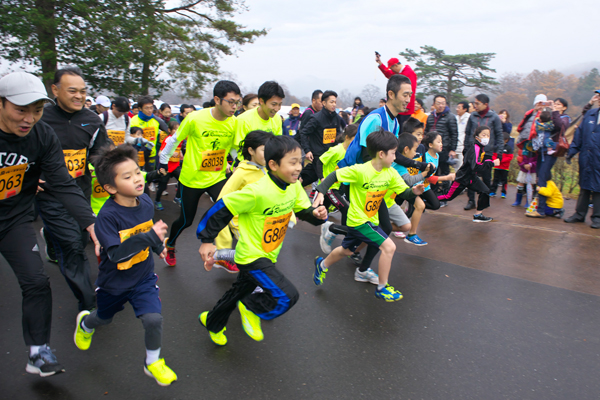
(396, 67)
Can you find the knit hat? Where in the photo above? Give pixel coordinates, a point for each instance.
(393, 61)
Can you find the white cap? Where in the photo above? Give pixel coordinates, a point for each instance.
(539, 98)
(103, 101)
(21, 89)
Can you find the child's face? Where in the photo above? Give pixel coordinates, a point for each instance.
(387, 157)
(129, 181)
(138, 134)
(410, 152)
(289, 167)
(172, 131)
(437, 144)
(419, 134)
(483, 134)
(258, 155)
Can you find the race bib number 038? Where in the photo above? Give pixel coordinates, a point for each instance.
(11, 180)
(329, 135)
(212, 160)
(75, 161)
(373, 202)
(274, 231)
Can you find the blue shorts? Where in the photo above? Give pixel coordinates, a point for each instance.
(143, 298)
(367, 233)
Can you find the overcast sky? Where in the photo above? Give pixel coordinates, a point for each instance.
(330, 44)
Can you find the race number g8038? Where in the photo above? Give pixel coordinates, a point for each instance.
(274, 231)
(75, 161)
(212, 160)
(373, 202)
(11, 180)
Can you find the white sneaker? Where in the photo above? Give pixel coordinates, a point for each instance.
(326, 237)
(367, 276)
(152, 187)
(399, 234)
(165, 193)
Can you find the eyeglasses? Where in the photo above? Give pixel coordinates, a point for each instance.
(234, 103)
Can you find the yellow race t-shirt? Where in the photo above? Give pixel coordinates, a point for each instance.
(208, 143)
(251, 121)
(367, 190)
(264, 211)
(330, 159)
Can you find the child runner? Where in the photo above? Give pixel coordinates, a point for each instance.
(466, 177)
(248, 171)
(369, 183)
(501, 171)
(126, 273)
(264, 209)
(173, 165)
(209, 134)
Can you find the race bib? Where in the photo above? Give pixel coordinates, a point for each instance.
(274, 231)
(75, 160)
(176, 157)
(118, 137)
(329, 135)
(142, 255)
(212, 160)
(373, 202)
(141, 161)
(162, 136)
(150, 134)
(11, 180)
(98, 191)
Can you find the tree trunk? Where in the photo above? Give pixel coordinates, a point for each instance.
(46, 35)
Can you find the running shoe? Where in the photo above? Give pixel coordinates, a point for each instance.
(443, 204)
(481, 218)
(326, 237)
(503, 195)
(367, 276)
(177, 201)
(217, 338)
(165, 193)
(356, 258)
(158, 370)
(319, 272)
(44, 363)
(49, 249)
(534, 214)
(158, 205)
(82, 339)
(416, 240)
(492, 194)
(250, 323)
(399, 234)
(227, 266)
(170, 259)
(388, 293)
(152, 187)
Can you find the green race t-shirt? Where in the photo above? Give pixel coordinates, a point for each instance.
(367, 190)
(251, 121)
(330, 159)
(264, 211)
(208, 143)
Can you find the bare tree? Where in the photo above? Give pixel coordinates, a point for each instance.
(345, 99)
(370, 95)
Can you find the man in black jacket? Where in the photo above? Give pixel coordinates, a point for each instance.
(483, 116)
(81, 134)
(319, 135)
(315, 106)
(443, 122)
(30, 148)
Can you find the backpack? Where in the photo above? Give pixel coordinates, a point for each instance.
(105, 118)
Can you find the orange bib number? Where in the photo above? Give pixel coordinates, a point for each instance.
(329, 135)
(98, 191)
(142, 255)
(11, 180)
(373, 202)
(212, 160)
(162, 136)
(176, 157)
(141, 161)
(149, 134)
(274, 231)
(118, 137)
(75, 160)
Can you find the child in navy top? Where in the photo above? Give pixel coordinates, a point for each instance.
(127, 234)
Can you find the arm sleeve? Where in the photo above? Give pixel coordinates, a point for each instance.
(430, 121)
(412, 180)
(468, 141)
(575, 146)
(306, 132)
(174, 140)
(130, 247)
(328, 182)
(307, 215)
(162, 125)
(452, 131)
(364, 154)
(409, 162)
(100, 140)
(62, 185)
(385, 70)
(213, 221)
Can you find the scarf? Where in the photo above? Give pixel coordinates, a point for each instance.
(144, 117)
(484, 112)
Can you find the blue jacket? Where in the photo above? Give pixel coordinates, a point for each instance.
(292, 123)
(587, 143)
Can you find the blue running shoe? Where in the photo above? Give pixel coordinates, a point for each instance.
(177, 201)
(319, 272)
(416, 240)
(503, 195)
(388, 293)
(158, 205)
(492, 194)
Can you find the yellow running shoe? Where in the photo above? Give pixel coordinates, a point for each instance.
(218, 338)
(158, 370)
(82, 339)
(250, 323)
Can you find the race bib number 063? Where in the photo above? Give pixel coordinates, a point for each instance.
(11, 180)
(274, 231)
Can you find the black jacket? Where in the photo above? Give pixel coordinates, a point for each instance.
(319, 134)
(445, 124)
(474, 162)
(492, 120)
(41, 150)
(80, 130)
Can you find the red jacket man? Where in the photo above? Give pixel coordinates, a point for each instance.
(396, 67)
